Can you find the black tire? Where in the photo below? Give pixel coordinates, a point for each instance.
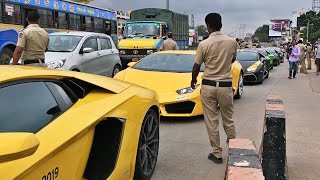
(116, 69)
(268, 75)
(240, 87)
(5, 56)
(148, 148)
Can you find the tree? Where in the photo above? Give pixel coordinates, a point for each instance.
(202, 31)
(262, 33)
(314, 25)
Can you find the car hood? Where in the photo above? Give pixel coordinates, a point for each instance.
(55, 56)
(247, 64)
(160, 82)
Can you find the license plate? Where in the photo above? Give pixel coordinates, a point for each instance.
(135, 59)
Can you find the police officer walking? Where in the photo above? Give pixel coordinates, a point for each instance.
(303, 50)
(218, 52)
(169, 44)
(32, 43)
(309, 55)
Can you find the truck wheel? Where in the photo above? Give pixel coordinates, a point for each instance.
(5, 56)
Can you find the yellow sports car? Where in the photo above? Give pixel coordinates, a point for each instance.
(69, 125)
(169, 74)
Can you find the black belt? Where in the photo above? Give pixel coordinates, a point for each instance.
(34, 61)
(216, 83)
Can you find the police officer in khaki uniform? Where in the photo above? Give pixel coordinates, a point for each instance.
(309, 55)
(32, 43)
(303, 50)
(218, 52)
(169, 44)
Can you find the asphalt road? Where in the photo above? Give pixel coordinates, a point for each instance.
(184, 143)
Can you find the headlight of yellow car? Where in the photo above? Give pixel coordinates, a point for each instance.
(187, 90)
(254, 67)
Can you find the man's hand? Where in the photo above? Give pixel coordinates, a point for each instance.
(193, 84)
(17, 55)
(195, 73)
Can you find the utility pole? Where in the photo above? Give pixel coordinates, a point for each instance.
(192, 20)
(168, 2)
(308, 30)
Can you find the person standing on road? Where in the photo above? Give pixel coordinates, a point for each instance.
(294, 58)
(309, 55)
(318, 59)
(32, 43)
(218, 52)
(169, 44)
(303, 50)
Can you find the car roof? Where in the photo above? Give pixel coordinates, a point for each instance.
(78, 33)
(190, 52)
(247, 50)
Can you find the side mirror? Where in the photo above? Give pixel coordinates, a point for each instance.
(15, 146)
(130, 64)
(86, 50)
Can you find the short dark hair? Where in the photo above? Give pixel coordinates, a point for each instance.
(170, 35)
(300, 41)
(214, 21)
(33, 16)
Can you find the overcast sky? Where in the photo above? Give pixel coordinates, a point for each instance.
(254, 13)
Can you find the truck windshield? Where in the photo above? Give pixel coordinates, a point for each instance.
(142, 30)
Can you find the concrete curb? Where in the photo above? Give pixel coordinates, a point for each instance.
(243, 161)
(273, 148)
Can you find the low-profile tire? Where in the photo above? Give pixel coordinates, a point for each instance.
(116, 70)
(148, 147)
(240, 87)
(5, 56)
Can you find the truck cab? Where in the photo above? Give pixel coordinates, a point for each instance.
(141, 38)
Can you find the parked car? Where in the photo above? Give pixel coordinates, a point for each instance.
(266, 55)
(276, 58)
(87, 52)
(168, 73)
(280, 53)
(70, 125)
(255, 65)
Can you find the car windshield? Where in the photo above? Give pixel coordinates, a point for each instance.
(181, 63)
(247, 56)
(63, 43)
(142, 30)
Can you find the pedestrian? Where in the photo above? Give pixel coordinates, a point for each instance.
(309, 55)
(169, 43)
(218, 52)
(294, 58)
(303, 50)
(318, 60)
(32, 43)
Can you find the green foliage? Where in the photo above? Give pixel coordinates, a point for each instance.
(202, 30)
(314, 25)
(262, 33)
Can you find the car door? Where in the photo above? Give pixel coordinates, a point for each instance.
(109, 55)
(42, 107)
(90, 60)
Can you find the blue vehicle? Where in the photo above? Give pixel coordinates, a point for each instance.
(55, 16)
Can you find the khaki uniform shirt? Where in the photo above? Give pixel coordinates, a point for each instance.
(303, 50)
(309, 50)
(217, 53)
(169, 44)
(35, 41)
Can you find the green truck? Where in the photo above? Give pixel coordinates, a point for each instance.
(147, 30)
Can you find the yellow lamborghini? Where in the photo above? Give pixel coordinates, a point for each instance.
(169, 74)
(69, 125)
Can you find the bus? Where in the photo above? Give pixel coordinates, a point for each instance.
(55, 16)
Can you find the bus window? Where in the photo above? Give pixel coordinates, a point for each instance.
(98, 25)
(74, 22)
(12, 14)
(1, 12)
(60, 20)
(45, 18)
(88, 24)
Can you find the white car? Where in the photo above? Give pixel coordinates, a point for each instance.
(87, 52)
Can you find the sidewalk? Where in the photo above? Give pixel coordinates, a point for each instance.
(302, 104)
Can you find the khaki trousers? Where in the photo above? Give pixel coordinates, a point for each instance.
(309, 60)
(211, 97)
(303, 68)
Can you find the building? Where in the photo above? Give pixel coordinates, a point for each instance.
(122, 19)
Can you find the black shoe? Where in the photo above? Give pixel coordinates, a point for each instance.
(215, 159)
(294, 77)
(289, 77)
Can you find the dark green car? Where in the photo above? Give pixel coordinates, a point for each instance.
(270, 56)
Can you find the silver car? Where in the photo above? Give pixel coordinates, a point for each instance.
(87, 52)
